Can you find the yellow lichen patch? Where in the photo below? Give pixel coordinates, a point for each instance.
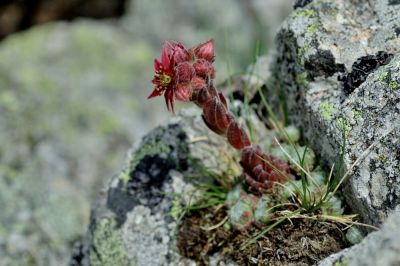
(327, 110)
(305, 13)
(393, 85)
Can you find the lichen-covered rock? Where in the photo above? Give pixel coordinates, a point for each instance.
(65, 123)
(38, 219)
(338, 64)
(378, 248)
(134, 223)
(71, 102)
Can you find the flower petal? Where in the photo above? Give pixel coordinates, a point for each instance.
(155, 93)
(166, 55)
(169, 99)
(157, 65)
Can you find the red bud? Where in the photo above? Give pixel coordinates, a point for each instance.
(205, 50)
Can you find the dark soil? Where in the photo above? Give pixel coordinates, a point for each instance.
(196, 243)
(23, 14)
(295, 242)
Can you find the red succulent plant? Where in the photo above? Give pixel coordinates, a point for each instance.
(182, 71)
(262, 170)
(187, 75)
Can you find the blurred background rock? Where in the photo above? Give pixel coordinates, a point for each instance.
(73, 100)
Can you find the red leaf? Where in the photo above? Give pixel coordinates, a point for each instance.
(222, 117)
(237, 137)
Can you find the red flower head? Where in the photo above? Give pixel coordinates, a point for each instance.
(181, 71)
(163, 79)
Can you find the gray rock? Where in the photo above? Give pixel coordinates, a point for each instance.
(136, 220)
(66, 117)
(316, 45)
(71, 103)
(378, 248)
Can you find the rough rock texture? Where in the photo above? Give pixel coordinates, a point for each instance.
(72, 102)
(379, 248)
(65, 123)
(325, 41)
(131, 224)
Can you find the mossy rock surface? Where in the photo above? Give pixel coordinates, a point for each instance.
(340, 81)
(139, 203)
(67, 119)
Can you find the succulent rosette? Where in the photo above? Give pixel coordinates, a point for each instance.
(262, 170)
(187, 75)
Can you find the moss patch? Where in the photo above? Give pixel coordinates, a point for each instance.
(342, 262)
(312, 28)
(108, 247)
(301, 51)
(343, 125)
(305, 13)
(384, 76)
(327, 110)
(301, 79)
(124, 176)
(357, 114)
(391, 36)
(393, 85)
(150, 148)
